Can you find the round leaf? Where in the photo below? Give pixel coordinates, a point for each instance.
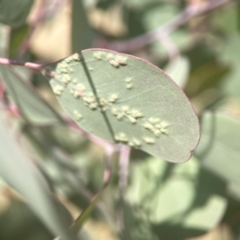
(125, 99)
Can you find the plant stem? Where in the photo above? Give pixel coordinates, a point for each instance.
(167, 28)
(30, 65)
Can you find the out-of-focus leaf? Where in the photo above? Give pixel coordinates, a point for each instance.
(227, 18)
(4, 36)
(176, 201)
(230, 56)
(33, 107)
(15, 12)
(19, 222)
(16, 39)
(219, 146)
(124, 99)
(178, 70)
(23, 176)
(82, 33)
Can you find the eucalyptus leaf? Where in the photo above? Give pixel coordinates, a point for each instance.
(219, 146)
(124, 99)
(178, 201)
(23, 176)
(32, 106)
(15, 12)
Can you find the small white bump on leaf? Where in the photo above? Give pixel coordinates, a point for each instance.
(149, 140)
(114, 63)
(136, 113)
(136, 142)
(66, 79)
(121, 60)
(110, 56)
(153, 120)
(76, 57)
(98, 55)
(125, 109)
(164, 124)
(132, 119)
(128, 80)
(129, 85)
(113, 97)
(58, 90)
(157, 132)
(148, 126)
(77, 115)
(114, 111)
(80, 87)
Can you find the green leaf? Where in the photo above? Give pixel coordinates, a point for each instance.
(16, 39)
(178, 70)
(82, 33)
(14, 13)
(219, 146)
(4, 35)
(23, 175)
(230, 56)
(178, 201)
(124, 99)
(33, 107)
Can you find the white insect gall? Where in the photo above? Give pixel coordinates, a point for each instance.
(93, 106)
(153, 120)
(90, 69)
(125, 109)
(120, 116)
(75, 80)
(58, 90)
(114, 111)
(164, 124)
(103, 101)
(148, 126)
(98, 55)
(121, 60)
(136, 114)
(77, 115)
(149, 140)
(110, 56)
(114, 63)
(132, 119)
(113, 98)
(129, 85)
(66, 79)
(137, 142)
(128, 79)
(76, 57)
(157, 132)
(164, 131)
(80, 87)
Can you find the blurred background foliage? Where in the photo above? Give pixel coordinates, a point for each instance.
(47, 181)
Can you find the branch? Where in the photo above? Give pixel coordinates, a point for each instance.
(35, 66)
(167, 28)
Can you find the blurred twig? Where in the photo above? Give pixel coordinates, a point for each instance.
(161, 32)
(123, 177)
(35, 66)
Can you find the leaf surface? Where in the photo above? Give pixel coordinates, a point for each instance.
(15, 12)
(219, 146)
(124, 99)
(24, 176)
(34, 108)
